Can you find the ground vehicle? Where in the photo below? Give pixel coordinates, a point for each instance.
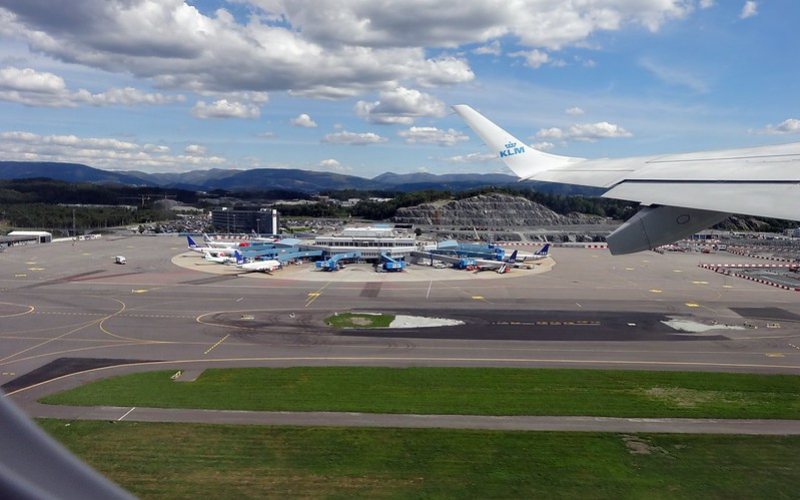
(119, 259)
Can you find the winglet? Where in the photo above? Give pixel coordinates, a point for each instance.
(522, 159)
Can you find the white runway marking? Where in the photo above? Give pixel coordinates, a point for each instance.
(126, 414)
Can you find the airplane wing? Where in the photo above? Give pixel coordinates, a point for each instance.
(682, 193)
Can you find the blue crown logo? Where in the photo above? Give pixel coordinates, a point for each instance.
(510, 145)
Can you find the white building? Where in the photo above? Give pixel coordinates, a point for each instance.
(33, 236)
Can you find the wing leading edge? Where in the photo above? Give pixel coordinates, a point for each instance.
(683, 193)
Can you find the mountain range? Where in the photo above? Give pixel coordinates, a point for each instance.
(305, 181)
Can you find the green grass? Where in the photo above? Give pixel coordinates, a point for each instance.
(469, 391)
(359, 320)
(216, 461)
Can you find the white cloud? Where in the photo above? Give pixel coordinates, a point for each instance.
(177, 46)
(400, 106)
(788, 126)
(574, 111)
(749, 9)
(102, 152)
(543, 146)
(195, 150)
(472, 158)
(450, 23)
(533, 58)
(353, 138)
(42, 89)
(492, 49)
(329, 49)
(706, 4)
(588, 132)
(303, 120)
(673, 75)
(432, 135)
(224, 108)
(332, 165)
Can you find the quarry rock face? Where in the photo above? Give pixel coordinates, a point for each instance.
(494, 210)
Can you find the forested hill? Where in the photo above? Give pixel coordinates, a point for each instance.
(263, 179)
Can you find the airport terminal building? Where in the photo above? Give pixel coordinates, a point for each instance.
(370, 241)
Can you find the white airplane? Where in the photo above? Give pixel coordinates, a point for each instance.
(461, 262)
(542, 253)
(223, 243)
(219, 259)
(194, 247)
(264, 266)
(681, 193)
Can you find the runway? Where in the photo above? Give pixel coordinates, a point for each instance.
(591, 310)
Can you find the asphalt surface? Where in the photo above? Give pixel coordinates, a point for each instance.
(591, 310)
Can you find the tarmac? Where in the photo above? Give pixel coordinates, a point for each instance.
(68, 315)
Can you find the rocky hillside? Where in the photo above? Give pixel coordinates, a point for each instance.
(489, 211)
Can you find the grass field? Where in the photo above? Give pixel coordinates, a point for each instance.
(469, 391)
(359, 320)
(214, 461)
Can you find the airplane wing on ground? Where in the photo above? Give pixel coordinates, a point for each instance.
(681, 193)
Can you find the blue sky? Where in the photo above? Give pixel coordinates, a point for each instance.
(364, 87)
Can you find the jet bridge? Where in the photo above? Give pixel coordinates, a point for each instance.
(335, 262)
(390, 264)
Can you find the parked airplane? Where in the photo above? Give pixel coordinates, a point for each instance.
(222, 243)
(681, 193)
(264, 266)
(461, 262)
(219, 259)
(194, 247)
(542, 253)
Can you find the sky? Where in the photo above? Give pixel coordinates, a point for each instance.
(363, 87)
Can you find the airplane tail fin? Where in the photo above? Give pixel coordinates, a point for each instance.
(513, 257)
(544, 250)
(239, 257)
(522, 159)
(192, 243)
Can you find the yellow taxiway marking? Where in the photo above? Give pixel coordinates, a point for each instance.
(774, 355)
(629, 269)
(727, 286)
(677, 271)
(699, 282)
(20, 275)
(86, 254)
(692, 304)
(218, 343)
(31, 263)
(478, 297)
(655, 290)
(139, 290)
(312, 296)
(35, 269)
(9, 374)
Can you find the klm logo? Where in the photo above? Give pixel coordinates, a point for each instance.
(511, 150)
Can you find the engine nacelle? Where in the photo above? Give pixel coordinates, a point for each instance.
(656, 226)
